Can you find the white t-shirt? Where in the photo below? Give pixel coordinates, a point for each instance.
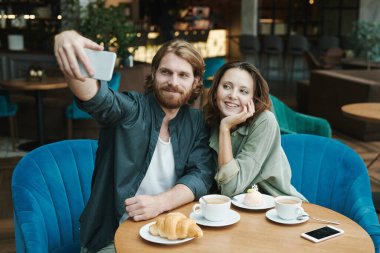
(160, 176)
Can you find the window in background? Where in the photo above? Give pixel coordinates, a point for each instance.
(348, 17)
(310, 18)
(330, 3)
(350, 3)
(338, 16)
(331, 22)
(273, 17)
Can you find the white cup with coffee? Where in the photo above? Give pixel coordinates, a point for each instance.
(213, 207)
(288, 207)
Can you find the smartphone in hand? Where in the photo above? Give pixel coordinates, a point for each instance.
(102, 62)
(322, 234)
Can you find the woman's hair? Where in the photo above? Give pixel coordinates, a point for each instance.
(185, 51)
(261, 98)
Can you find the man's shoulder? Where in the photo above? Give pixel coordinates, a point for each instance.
(136, 96)
(132, 93)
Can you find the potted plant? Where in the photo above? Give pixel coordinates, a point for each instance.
(70, 10)
(108, 26)
(366, 40)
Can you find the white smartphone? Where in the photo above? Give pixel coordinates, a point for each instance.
(322, 234)
(103, 63)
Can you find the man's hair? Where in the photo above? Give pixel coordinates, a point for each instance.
(261, 98)
(185, 51)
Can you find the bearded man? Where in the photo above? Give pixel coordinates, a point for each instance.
(153, 153)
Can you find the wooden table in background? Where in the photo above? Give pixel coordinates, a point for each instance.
(50, 83)
(369, 112)
(253, 233)
(363, 111)
(359, 64)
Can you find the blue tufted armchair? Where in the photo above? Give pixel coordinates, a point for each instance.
(331, 174)
(50, 188)
(211, 67)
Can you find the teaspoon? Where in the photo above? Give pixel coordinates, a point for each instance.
(301, 217)
(204, 199)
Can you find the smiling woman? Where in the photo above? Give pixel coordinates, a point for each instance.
(235, 93)
(245, 135)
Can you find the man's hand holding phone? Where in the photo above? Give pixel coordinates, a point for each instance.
(68, 50)
(72, 50)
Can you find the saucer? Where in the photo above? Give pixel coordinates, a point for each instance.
(238, 201)
(272, 215)
(144, 233)
(232, 218)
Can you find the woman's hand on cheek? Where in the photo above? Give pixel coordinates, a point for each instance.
(250, 108)
(230, 122)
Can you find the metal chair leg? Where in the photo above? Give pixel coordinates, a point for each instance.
(69, 129)
(12, 129)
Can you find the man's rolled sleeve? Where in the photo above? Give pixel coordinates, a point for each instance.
(227, 172)
(195, 184)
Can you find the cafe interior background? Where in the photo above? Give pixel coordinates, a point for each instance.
(297, 45)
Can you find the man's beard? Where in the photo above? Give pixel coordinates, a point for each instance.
(171, 101)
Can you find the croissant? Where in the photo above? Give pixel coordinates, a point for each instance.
(175, 226)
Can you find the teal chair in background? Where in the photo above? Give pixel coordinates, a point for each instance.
(9, 109)
(74, 113)
(212, 65)
(294, 122)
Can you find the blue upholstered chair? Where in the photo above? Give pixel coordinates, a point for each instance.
(212, 65)
(74, 113)
(50, 188)
(326, 42)
(249, 46)
(294, 122)
(272, 48)
(296, 46)
(9, 109)
(331, 174)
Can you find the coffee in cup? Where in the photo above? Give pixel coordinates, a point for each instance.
(288, 207)
(213, 207)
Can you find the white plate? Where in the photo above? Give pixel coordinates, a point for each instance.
(232, 218)
(272, 215)
(238, 201)
(144, 233)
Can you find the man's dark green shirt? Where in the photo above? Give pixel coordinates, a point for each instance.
(129, 129)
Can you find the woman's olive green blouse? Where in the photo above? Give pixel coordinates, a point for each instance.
(258, 159)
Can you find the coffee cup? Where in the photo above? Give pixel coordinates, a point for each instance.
(213, 207)
(288, 207)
